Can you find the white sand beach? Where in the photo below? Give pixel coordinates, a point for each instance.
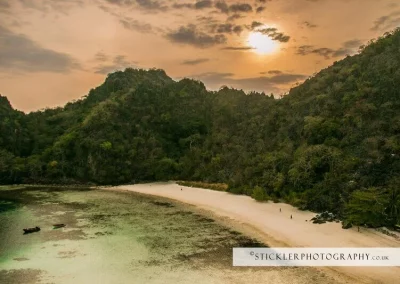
(277, 229)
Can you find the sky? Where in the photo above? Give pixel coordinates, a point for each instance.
(55, 51)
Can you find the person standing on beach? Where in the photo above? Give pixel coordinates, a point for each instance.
(280, 209)
(291, 217)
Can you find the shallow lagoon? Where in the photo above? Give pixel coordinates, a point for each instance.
(120, 237)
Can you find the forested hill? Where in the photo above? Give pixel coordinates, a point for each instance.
(333, 143)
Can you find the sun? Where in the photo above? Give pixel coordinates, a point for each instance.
(262, 44)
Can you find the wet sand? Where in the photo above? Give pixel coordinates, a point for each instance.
(279, 230)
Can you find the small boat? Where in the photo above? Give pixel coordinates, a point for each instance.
(31, 230)
(57, 226)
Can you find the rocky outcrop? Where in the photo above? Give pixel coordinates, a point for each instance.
(346, 225)
(324, 217)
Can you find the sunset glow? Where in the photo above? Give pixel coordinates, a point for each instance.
(262, 44)
(61, 49)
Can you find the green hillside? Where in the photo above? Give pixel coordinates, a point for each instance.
(333, 143)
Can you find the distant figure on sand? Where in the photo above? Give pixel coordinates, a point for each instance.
(280, 209)
(291, 217)
(181, 188)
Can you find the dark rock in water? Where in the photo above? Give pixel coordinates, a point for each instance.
(57, 226)
(21, 259)
(346, 225)
(31, 230)
(163, 204)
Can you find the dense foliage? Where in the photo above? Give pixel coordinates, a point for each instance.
(333, 143)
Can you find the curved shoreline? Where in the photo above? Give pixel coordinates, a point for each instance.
(277, 229)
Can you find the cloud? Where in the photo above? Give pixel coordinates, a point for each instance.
(226, 28)
(203, 4)
(347, 48)
(199, 5)
(20, 53)
(222, 28)
(222, 6)
(107, 69)
(272, 83)
(237, 48)
(182, 5)
(191, 36)
(342, 52)
(255, 24)
(206, 19)
(354, 43)
(135, 25)
(272, 72)
(120, 2)
(309, 25)
(238, 30)
(234, 8)
(127, 22)
(4, 7)
(309, 49)
(240, 8)
(387, 22)
(60, 6)
(234, 17)
(101, 56)
(325, 52)
(274, 34)
(260, 9)
(119, 62)
(149, 5)
(4, 4)
(195, 61)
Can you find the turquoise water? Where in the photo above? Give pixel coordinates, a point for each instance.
(110, 237)
(120, 237)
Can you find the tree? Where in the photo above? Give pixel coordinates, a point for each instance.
(259, 194)
(366, 207)
(392, 203)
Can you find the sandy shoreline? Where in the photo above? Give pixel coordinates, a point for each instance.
(277, 227)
